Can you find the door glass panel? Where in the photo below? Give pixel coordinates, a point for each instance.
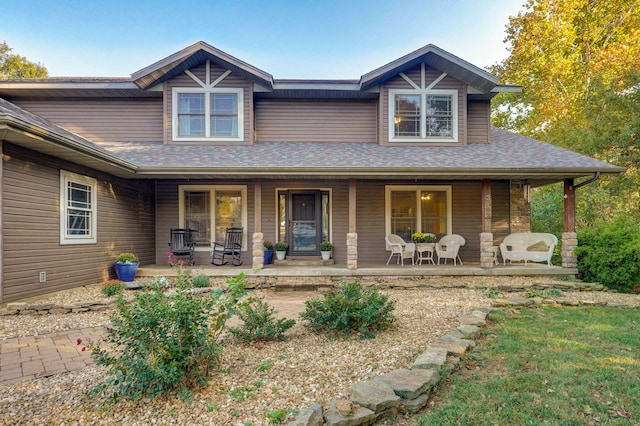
(304, 223)
(304, 236)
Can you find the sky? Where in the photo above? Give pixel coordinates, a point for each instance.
(320, 39)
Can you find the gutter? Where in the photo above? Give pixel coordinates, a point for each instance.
(595, 177)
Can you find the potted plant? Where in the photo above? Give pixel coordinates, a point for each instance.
(419, 237)
(268, 252)
(126, 266)
(281, 250)
(325, 250)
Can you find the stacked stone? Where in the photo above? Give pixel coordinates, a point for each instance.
(405, 390)
(569, 244)
(352, 250)
(486, 250)
(258, 250)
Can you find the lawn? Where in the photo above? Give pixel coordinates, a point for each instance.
(558, 366)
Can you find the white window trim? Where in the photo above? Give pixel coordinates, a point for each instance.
(423, 120)
(65, 178)
(212, 189)
(417, 189)
(207, 112)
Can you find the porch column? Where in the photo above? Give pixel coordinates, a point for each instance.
(352, 235)
(257, 248)
(569, 236)
(486, 236)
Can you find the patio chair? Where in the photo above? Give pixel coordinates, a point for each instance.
(400, 248)
(182, 243)
(448, 247)
(230, 251)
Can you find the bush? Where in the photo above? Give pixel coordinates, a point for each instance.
(610, 254)
(350, 308)
(159, 343)
(260, 323)
(112, 288)
(126, 258)
(201, 281)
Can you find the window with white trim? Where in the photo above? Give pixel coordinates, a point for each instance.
(210, 210)
(208, 114)
(410, 209)
(78, 209)
(423, 115)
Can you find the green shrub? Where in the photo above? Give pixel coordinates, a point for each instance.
(201, 281)
(610, 254)
(126, 258)
(349, 308)
(160, 343)
(260, 323)
(112, 288)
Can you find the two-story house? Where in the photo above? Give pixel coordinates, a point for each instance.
(202, 140)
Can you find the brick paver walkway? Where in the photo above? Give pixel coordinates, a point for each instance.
(30, 357)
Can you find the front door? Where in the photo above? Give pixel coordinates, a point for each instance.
(305, 223)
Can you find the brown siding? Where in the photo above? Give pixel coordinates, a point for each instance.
(466, 219)
(31, 237)
(500, 214)
(430, 75)
(315, 120)
(479, 121)
(168, 217)
(105, 119)
(231, 81)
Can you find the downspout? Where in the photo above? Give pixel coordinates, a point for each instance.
(588, 181)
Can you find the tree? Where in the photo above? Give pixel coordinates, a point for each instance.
(14, 66)
(577, 61)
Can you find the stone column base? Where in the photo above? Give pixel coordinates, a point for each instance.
(258, 250)
(352, 250)
(569, 243)
(486, 250)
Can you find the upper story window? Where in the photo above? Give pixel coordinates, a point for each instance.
(207, 114)
(423, 115)
(78, 209)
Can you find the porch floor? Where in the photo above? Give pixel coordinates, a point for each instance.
(341, 271)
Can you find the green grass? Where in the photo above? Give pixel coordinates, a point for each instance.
(556, 366)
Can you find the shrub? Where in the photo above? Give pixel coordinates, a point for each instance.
(610, 254)
(349, 308)
(126, 258)
(268, 245)
(260, 323)
(201, 281)
(160, 343)
(112, 288)
(281, 246)
(326, 246)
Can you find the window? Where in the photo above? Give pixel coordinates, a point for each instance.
(412, 209)
(207, 114)
(423, 115)
(210, 210)
(78, 209)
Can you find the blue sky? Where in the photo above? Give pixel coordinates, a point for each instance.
(288, 39)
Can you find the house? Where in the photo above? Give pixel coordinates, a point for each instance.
(97, 166)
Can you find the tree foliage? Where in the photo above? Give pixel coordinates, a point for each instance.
(577, 61)
(14, 66)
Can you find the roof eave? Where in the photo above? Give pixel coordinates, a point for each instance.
(192, 56)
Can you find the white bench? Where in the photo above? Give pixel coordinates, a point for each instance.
(536, 247)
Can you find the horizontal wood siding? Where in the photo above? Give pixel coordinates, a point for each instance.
(479, 121)
(315, 120)
(168, 217)
(500, 214)
(430, 75)
(31, 222)
(232, 81)
(466, 219)
(120, 120)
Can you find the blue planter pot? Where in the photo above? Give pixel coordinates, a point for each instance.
(126, 272)
(268, 257)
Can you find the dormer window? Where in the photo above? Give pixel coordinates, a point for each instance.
(208, 114)
(423, 115)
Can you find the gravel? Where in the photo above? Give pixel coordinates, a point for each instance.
(253, 379)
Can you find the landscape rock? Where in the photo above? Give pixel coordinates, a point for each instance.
(410, 384)
(433, 357)
(359, 416)
(310, 416)
(374, 395)
(469, 331)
